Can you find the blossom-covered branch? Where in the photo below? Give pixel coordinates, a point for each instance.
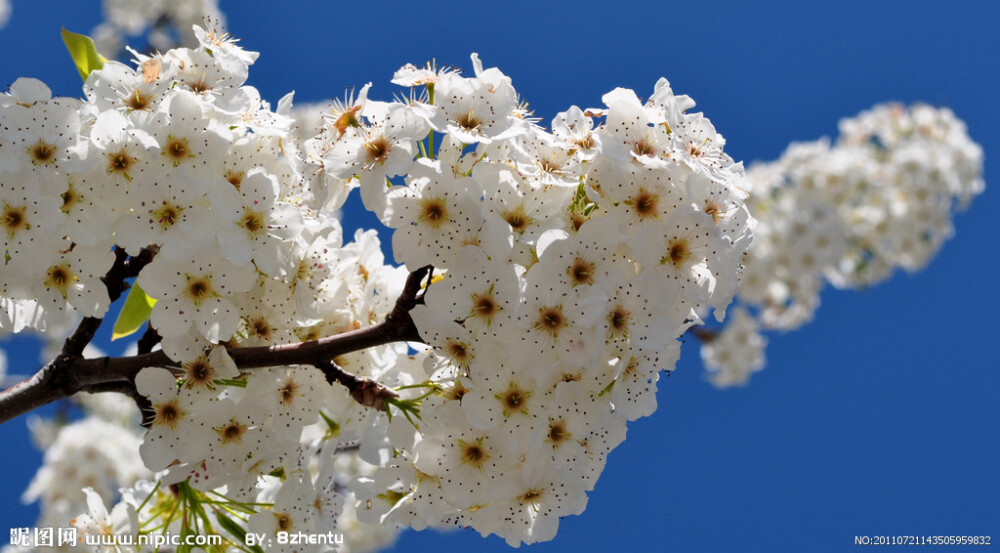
(851, 213)
(70, 373)
(542, 338)
(568, 261)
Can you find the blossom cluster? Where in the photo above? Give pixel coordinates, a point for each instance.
(849, 214)
(96, 453)
(573, 260)
(588, 248)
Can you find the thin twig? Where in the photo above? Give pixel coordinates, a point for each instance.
(365, 391)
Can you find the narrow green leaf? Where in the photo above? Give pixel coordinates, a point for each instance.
(134, 313)
(231, 526)
(84, 53)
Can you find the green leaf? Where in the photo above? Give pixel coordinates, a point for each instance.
(134, 313)
(230, 525)
(84, 53)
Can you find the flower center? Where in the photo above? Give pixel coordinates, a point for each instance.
(473, 453)
(678, 253)
(235, 178)
(167, 215)
(168, 414)
(198, 289)
(70, 198)
(484, 306)
(261, 328)
(284, 521)
(644, 147)
(581, 272)
(548, 166)
(630, 369)
(585, 143)
(120, 162)
(288, 392)
(14, 219)
(715, 210)
(618, 320)
(532, 496)
(433, 212)
(42, 153)
(253, 222)
(644, 203)
(59, 277)
(199, 372)
(378, 149)
(138, 100)
(459, 352)
(558, 433)
(201, 85)
(517, 219)
(456, 392)
(231, 432)
(551, 320)
(177, 149)
(468, 120)
(514, 400)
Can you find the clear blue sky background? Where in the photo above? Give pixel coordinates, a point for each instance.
(881, 417)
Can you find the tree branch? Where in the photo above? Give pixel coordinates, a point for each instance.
(69, 374)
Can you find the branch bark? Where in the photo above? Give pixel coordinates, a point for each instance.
(70, 373)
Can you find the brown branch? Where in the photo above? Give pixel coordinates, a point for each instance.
(68, 375)
(55, 381)
(704, 335)
(148, 340)
(124, 267)
(365, 391)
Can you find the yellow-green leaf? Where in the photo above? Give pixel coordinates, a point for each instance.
(84, 53)
(134, 313)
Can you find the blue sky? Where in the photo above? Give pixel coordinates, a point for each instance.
(879, 418)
